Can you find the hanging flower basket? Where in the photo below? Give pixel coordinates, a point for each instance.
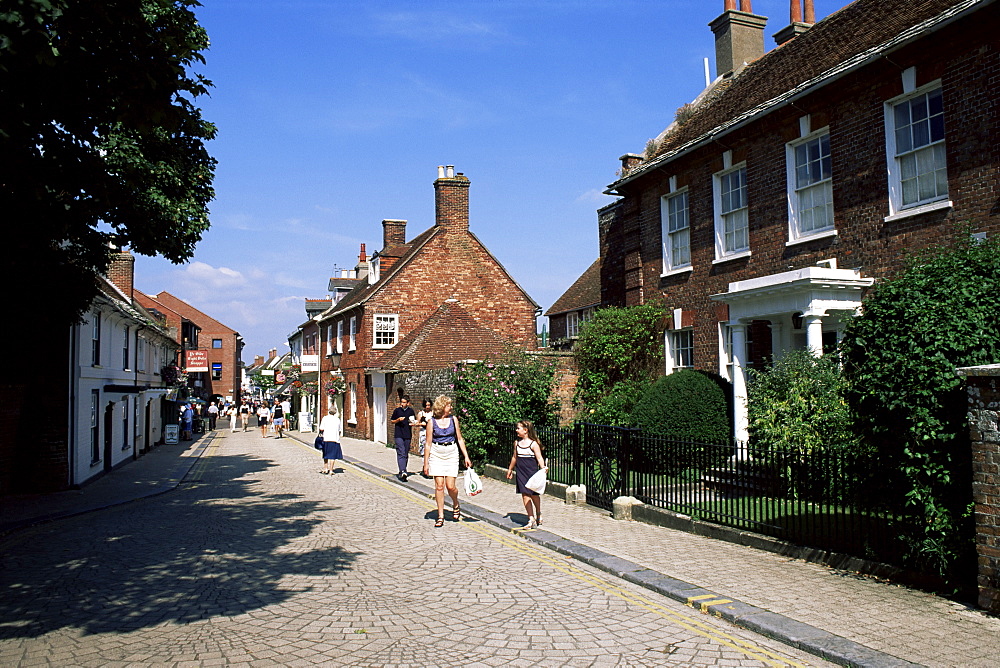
(305, 389)
(335, 386)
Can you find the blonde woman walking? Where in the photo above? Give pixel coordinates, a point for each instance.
(444, 439)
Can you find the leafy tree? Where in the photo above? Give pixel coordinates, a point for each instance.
(900, 356)
(619, 345)
(514, 387)
(100, 138)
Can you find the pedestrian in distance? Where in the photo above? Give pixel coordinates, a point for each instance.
(263, 417)
(403, 417)
(526, 461)
(187, 422)
(278, 417)
(245, 415)
(331, 429)
(213, 415)
(234, 418)
(423, 418)
(444, 435)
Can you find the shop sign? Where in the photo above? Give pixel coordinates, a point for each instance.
(197, 361)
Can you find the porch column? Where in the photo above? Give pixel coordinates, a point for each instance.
(814, 334)
(741, 417)
(777, 344)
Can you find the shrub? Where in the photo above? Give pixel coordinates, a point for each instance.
(900, 356)
(800, 422)
(615, 407)
(514, 387)
(619, 345)
(686, 406)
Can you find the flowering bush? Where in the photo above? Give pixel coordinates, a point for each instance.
(305, 389)
(515, 387)
(172, 375)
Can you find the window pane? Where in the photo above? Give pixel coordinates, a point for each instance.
(901, 115)
(903, 143)
(937, 127)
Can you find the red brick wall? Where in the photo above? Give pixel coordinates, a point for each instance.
(964, 57)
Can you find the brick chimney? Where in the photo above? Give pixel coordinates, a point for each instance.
(451, 199)
(739, 37)
(361, 270)
(272, 353)
(121, 272)
(393, 233)
(258, 360)
(798, 23)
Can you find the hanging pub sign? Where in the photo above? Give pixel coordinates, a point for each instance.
(197, 360)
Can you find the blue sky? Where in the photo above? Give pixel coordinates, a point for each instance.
(334, 115)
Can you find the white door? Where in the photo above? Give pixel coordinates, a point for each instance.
(378, 408)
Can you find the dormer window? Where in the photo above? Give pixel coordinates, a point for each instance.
(375, 270)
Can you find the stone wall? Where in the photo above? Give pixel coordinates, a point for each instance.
(983, 385)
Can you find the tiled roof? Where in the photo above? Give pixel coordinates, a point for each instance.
(449, 335)
(860, 30)
(585, 292)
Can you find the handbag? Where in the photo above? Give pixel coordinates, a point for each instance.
(536, 483)
(318, 443)
(473, 485)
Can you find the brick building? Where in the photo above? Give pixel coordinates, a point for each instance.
(411, 294)
(575, 307)
(221, 375)
(801, 176)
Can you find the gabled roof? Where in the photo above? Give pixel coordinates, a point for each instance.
(204, 319)
(449, 335)
(861, 32)
(584, 293)
(406, 253)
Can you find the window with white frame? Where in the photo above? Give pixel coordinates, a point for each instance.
(385, 330)
(680, 349)
(916, 149)
(125, 430)
(95, 340)
(95, 434)
(340, 336)
(810, 196)
(726, 351)
(732, 225)
(329, 339)
(353, 333)
(353, 394)
(676, 231)
(125, 349)
(140, 353)
(572, 324)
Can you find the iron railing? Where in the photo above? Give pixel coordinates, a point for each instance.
(829, 500)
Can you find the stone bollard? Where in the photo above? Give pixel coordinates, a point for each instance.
(622, 507)
(576, 494)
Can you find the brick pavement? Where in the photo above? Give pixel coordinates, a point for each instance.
(256, 560)
(810, 603)
(813, 606)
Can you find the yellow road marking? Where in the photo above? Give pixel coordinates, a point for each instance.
(691, 624)
(198, 470)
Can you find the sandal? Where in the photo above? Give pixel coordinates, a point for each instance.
(456, 513)
(439, 522)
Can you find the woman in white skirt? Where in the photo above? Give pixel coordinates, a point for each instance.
(444, 435)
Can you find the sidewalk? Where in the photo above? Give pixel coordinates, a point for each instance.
(156, 472)
(840, 616)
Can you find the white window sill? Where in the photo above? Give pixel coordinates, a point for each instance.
(680, 270)
(734, 256)
(383, 347)
(917, 210)
(352, 422)
(812, 237)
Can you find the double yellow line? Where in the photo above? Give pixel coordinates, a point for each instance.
(704, 602)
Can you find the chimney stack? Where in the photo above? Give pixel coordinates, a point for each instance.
(798, 23)
(393, 233)
(122, 272)
(739, 37)
(451, 199)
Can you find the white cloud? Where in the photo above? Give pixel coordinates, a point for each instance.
(593, 196)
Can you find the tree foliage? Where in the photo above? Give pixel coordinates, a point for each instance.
(514, 387)
(101, 141)
(900, 357)
(619, 345)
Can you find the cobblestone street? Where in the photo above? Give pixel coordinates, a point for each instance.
(256, 559)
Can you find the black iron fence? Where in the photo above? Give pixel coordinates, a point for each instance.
(827, 500)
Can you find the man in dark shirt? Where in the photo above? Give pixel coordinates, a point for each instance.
(403, 417)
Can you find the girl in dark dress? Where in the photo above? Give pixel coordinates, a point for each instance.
(527, 460)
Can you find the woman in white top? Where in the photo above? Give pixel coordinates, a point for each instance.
(527, 460)
(444, 442)
(331, 429)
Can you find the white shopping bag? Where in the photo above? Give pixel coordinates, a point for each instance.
(473, 485)
(536, 483)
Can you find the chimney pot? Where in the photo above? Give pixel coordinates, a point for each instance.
(440, 171)
(451, 171)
